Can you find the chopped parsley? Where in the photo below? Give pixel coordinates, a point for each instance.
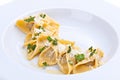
(29, 19)
(54, 42)
(33, 38)
(90, 49)
(93, 52)
(31, 47)
(37, 34)
(40, 27)
(45, 64)
(41, 49)
(49, 39)
(69, 49)
(79, 57)
(43, 15)
(70, 62)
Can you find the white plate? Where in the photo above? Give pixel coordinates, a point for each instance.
(84, 27)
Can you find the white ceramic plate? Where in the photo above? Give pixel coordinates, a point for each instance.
(81, 26)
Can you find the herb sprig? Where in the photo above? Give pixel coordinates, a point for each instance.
(69, 49)
(31, 47)
(49, 39)
(43, 15)
(45, 64)
(93, 51)
(40, 27)
(79, 57)
(54, 41)
(31, 18)
(41, 49)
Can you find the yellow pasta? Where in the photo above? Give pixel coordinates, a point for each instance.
(42, 40)
(65, 61)
(89, 63)
(49, 55)
(24, 26)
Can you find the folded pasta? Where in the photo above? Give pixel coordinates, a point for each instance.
(42, 40)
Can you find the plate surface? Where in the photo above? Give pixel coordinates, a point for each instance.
(81, 26)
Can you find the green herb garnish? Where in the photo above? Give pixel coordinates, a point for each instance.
(93, 52)
(45, 64)
(79, 57)
(31, 47)
(40, 27)
(43, 15)
(43, 29)
(90, 49)
(69, 49)
(49, 39)
(41, 49)
(33, 38)
(37, 34)
(70, 62)
(54, 42)
(29, 19)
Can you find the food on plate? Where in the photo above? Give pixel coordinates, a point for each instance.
(42, 39)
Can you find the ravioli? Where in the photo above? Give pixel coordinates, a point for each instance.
(49, 55)
(89, 63)
(43, 41)
(24, 26)
(65, 61)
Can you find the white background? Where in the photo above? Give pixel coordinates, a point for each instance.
(113, 2)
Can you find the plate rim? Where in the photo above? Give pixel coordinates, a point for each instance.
(113, 59)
